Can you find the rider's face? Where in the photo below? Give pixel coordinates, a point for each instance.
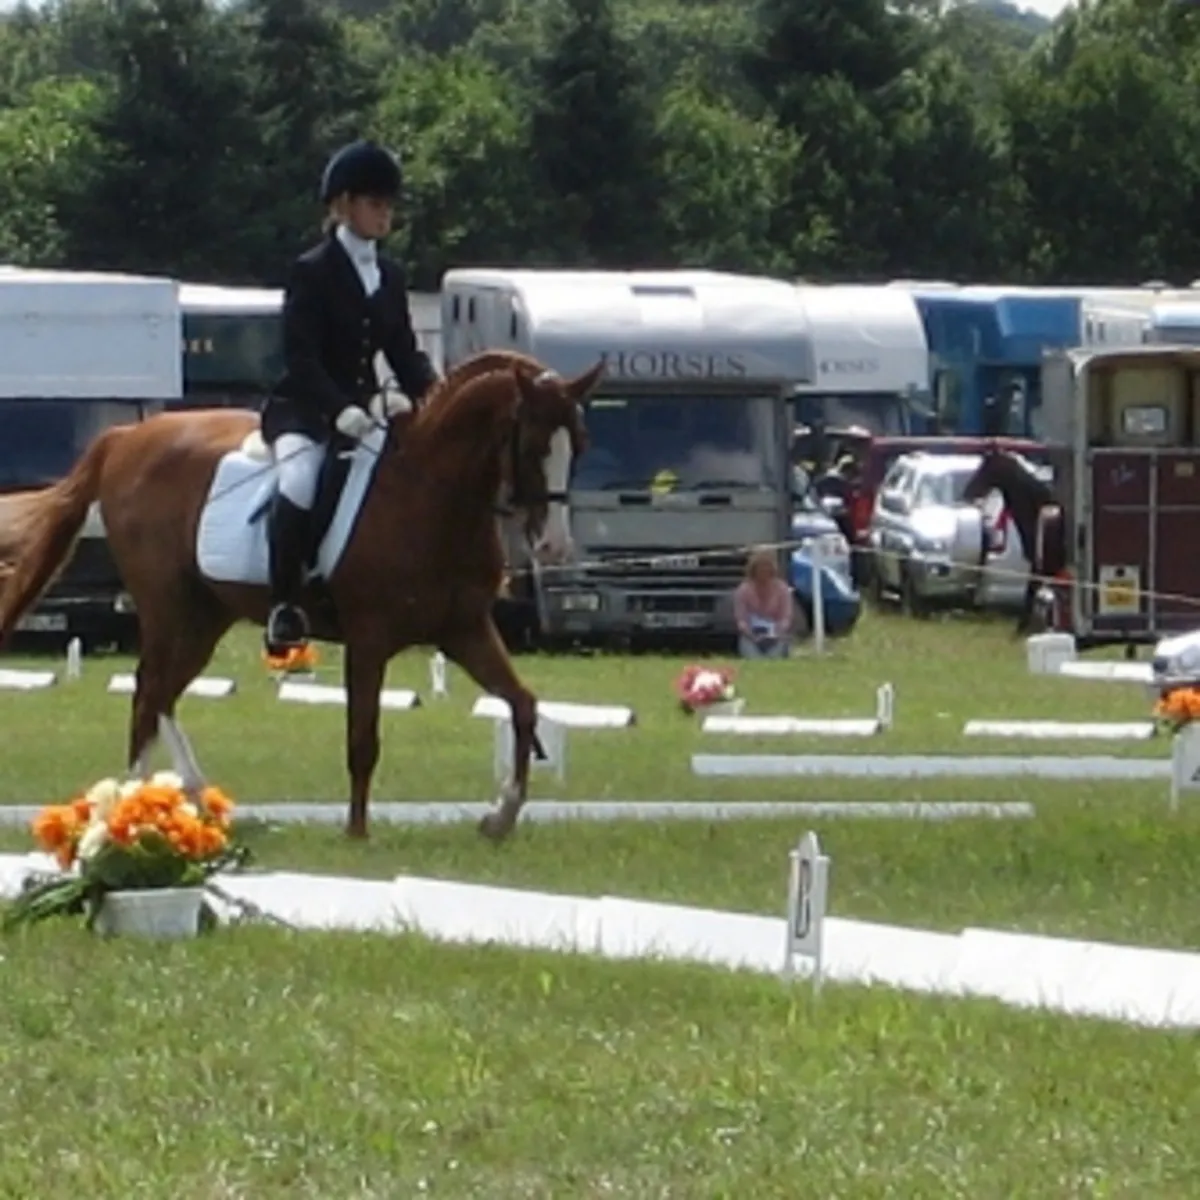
(369, 217)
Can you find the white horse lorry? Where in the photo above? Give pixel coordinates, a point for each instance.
(80, 352)
(871, 359)
(689, 430)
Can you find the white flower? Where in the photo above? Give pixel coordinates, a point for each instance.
(103, 796)
(131, 788)
(93, 840)
(189, 809)
(167, 779)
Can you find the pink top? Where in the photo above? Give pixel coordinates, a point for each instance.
(772, 604)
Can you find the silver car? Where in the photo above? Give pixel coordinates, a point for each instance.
(928, 542)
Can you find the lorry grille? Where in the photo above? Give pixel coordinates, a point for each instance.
(651, 568)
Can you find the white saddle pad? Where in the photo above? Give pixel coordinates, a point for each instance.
(229, 549)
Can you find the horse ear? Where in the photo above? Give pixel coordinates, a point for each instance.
(526, 388)
(580, 386)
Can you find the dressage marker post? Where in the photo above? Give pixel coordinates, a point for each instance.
(885, 699)
(552, 735)
(554, 719)
(808, 899)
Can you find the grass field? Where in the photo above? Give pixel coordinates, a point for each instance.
(258, 1063)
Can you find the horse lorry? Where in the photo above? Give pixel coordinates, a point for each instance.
(233, 342)
(687, 466)
(1123, 427)
(80, 353)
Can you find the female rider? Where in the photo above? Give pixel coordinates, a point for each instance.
(343, 304)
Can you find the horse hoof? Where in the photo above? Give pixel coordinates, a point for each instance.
(494, 827)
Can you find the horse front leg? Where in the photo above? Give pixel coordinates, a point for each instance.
(364, 668)
(481, 653)
(1026, 618)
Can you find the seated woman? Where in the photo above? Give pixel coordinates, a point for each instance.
(763, 608)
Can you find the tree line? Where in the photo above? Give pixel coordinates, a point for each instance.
(848, 139)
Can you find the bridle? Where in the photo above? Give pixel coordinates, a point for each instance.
(518, 498)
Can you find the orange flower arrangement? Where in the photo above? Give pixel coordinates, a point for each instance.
(141, 834)
(1178, 707)
(296, 660)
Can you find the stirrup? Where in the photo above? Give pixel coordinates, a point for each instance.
(286, 630)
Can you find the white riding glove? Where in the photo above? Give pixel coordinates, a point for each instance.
(354, 422)
(387, 404)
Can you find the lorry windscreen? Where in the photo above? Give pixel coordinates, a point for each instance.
(681, 443)
(40, 440)
(883, 414)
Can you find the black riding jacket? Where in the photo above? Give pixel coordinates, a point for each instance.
(332, 331)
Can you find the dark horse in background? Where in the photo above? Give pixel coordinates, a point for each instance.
(1035, 512)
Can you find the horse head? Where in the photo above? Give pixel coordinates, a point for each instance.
(989, 476)
(546, 435)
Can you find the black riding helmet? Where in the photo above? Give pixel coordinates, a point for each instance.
(361, 168)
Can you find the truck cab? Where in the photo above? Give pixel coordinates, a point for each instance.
(81, 352)
(871, 359)
(687, 464)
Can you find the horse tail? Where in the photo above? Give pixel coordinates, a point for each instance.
(39, 530)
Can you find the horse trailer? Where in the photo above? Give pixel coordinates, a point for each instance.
(1127, 435)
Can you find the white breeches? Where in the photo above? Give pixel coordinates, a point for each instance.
(299, 461)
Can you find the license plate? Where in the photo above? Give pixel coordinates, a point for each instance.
(667, 620)
(43, 623)
(1120, 597)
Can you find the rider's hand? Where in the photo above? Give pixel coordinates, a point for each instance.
(354, 422)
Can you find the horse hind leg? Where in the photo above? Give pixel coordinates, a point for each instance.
(481, 653)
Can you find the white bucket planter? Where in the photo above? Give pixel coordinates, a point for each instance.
(723, 708)
(151, 913)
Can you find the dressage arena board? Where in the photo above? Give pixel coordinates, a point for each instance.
(12, 680)
(1104, 731)
(1133, 984)
(449, 812)
(1110, 672)
(391, 699)
(208, 686)
(811, 726)
(920, 766)
(574, 716)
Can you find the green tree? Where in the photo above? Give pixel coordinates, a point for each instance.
(829, 70)
(308, 94)
(958, 201)
(460, 128)
(593, 142)
(47, 153)
(175, 136)
(1106, 147)
(728, 174)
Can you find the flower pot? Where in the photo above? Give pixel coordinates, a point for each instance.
(725, 708)
(151, 913)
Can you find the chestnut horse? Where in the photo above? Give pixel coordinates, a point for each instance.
(422, 566)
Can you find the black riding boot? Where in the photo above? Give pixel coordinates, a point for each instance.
(287, 624)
